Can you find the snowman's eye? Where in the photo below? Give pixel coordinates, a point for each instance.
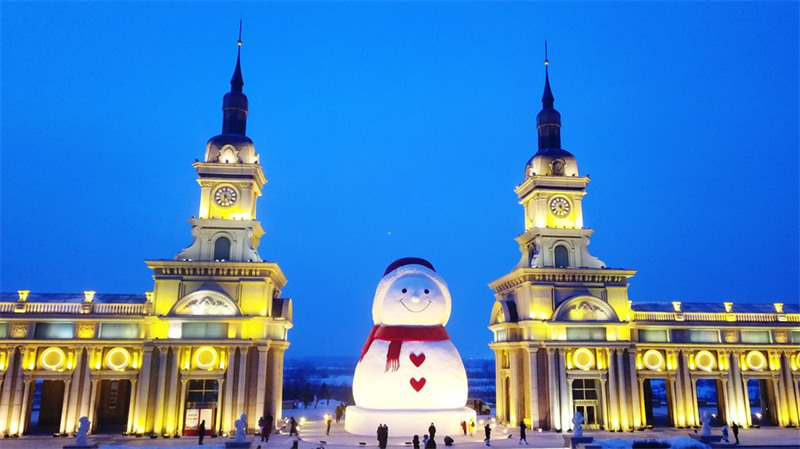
(427, 291)
(404, 290)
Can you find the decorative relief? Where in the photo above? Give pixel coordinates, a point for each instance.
(781, 337)
(541, 196)
(206, 302)
(731, 336)
(228, 154)
(584, 311)
(18, 330)
(206, 183)
(245, 186)
(576, 196)
(86, 330)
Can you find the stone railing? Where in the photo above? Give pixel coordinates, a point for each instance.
(73, 308)
(119, 309)
(712, 316)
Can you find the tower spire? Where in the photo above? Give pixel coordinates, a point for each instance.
(548, 122)
(236, 81)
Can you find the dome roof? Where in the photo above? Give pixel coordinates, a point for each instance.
(231, 149)
(552, 162)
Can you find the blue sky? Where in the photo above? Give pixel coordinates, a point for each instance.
(394, 129)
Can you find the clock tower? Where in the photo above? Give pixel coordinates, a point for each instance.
(231, 180)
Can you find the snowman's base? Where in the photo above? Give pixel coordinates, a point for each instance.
(406, 423)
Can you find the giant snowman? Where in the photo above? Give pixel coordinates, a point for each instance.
(410, 375)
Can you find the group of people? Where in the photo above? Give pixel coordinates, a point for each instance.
(265, 426)
(383, 435)
(468, 427)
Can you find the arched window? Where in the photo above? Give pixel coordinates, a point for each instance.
(562, 256)
(222, 249)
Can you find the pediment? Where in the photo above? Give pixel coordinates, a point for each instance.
(585, 308)
(205, 303)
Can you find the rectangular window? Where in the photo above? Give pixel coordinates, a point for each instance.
(500, 335)
(795, 336)
(586, 333)
(119, 331)
(204, 330)
(653, 335)
(3, 330)
(756, 337)
(54, 331)
(703, 336)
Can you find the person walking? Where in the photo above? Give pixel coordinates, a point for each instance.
(488, 431)
(425, 440)
(464, 427)
(293, 427)
(725, 433)
(430, 444)
(522, 428)
(432, 431)
(415, 441)
(201, 432)
(471, 426)
(736, 432)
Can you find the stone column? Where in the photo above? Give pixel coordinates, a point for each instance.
(566, 406)
(242, 386)
(276, 380)
(93, 403)
(62, 428)
(570, 402)
(88, 387)
(786, 372)
(636, 398)
(8, 382)
(24, 407)
(674, 393)
(262, 380)
(555, 410)
(218, 423)
(533, 385)
(173, 388)
(623, 394)
(604, 404)
(748, 420)
(514, 396)
(75, 391)
(227, 399)
(612, 392)
(688, 391)
(158, 424)
(140, 417)
(499, 382)
(740, 398)
(726, 408)
(16, 421)
(132, 406)
(182, 406)
(642, 411)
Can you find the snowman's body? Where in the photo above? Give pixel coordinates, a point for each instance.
(439, 382)
(410, 373)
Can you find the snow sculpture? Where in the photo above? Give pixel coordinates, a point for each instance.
(409, 374)
(82, 438)
(577, 425)
(706, 429)
(240, 425)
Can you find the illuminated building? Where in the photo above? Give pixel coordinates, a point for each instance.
(568, 339)
(206, 344)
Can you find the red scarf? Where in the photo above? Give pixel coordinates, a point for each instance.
(396, 335)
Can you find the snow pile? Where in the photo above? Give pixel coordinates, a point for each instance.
(673, 443)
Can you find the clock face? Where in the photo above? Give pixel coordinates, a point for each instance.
(225, 196)
(559, 206)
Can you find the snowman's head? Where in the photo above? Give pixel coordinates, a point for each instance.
(411, 293)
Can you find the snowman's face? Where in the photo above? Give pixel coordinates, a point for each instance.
(415, 299)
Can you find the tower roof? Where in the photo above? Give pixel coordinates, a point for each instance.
(236, 80)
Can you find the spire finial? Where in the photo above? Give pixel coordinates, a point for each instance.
(547, 97)
(236, 81)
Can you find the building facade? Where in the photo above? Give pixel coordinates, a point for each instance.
(567, 338)
(207, 343)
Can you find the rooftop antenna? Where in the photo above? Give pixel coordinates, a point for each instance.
(240, 34)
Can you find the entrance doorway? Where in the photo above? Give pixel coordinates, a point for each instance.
(112, 407)
(585, 400)
(201, 405)
(656, 403)
(45, 407)
(709, 400)
(762, 396)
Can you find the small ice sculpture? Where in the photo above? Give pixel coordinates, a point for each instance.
(577, 421)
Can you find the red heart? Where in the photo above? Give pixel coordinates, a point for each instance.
(417, 384)
(417, 359)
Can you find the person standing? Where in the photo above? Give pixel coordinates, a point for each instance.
(725, 433)
(328, 421)
(261, 424)
(201, 432)
(432, 431)
(471, 426)
(415, 441)
(268, 427)
(488, 431)
(293, 427)
(736, 432)
(522, 428)
(464, 427)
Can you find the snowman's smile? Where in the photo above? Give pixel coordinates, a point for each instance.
(417, 309)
